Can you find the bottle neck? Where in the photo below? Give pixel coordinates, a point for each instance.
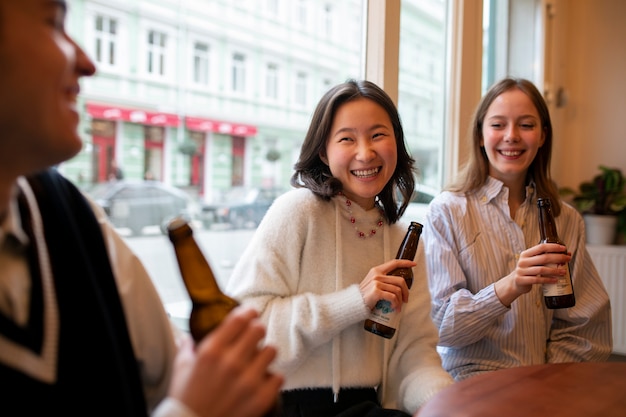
(195, 269)
(408, 248)
(547, 225)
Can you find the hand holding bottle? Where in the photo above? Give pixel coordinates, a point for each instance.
(561, 293)
(534, 266)
(384, 316)
(225, 373)
(379, 285)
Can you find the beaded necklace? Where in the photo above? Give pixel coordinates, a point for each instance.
(359, 233)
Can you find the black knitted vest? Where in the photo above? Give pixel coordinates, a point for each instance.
(97, 374)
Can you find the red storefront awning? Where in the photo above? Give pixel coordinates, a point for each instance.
(111, 112)
(227, 128)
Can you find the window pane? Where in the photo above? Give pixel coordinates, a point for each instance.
(271, 81)
(105, 40)
(201, 63)
(156, 53)
(239, 73)
(301, 86)
(232, 116)
(422, 84)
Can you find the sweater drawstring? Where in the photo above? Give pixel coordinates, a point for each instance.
(386, 342)
(336, 352)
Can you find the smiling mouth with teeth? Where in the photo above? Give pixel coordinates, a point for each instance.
(366, 172)
(511, 153)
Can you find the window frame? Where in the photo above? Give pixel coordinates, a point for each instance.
(463, 68)
(92, 11)
(156, 53)
(238, 73)
(271, 81)
(301, 81)
(201, 63)
(106, 41)
(169, 50)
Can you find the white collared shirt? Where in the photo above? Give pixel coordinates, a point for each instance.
(471, 242)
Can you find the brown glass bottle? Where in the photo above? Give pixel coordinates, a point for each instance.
(561, 294)
(209, 305)
(382, 320)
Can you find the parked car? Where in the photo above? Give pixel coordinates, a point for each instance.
(240, 207)
(418, 206)
(137, 204)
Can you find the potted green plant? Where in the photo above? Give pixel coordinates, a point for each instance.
(602, 202)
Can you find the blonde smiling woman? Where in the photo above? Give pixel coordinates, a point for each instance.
(486, 268)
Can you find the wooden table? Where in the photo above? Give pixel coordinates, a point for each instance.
(551, 390)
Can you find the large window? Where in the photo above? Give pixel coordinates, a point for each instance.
(267, 70)
(514, 38)
(422, 84)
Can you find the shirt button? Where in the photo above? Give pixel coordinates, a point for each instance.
(538, 303)
(484, 199)
(516, 256)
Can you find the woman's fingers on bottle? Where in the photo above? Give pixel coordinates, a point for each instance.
(543, 255)
(396, 292)
(542, 248)
(379, 285)
(400, 263)
(553, 248)
(553, 270)
(556, 258)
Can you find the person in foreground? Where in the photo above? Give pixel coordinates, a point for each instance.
(485, 264)
(82, 329)
(319, 262)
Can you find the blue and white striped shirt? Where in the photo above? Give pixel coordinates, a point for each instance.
(471, 242)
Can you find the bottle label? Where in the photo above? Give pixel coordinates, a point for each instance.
(383, 313)
(562, 287)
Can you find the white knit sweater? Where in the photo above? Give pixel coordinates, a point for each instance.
(302, 271)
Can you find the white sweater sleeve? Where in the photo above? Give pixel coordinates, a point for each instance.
(268, 276)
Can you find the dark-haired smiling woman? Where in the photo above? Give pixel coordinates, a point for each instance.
(320, 261)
